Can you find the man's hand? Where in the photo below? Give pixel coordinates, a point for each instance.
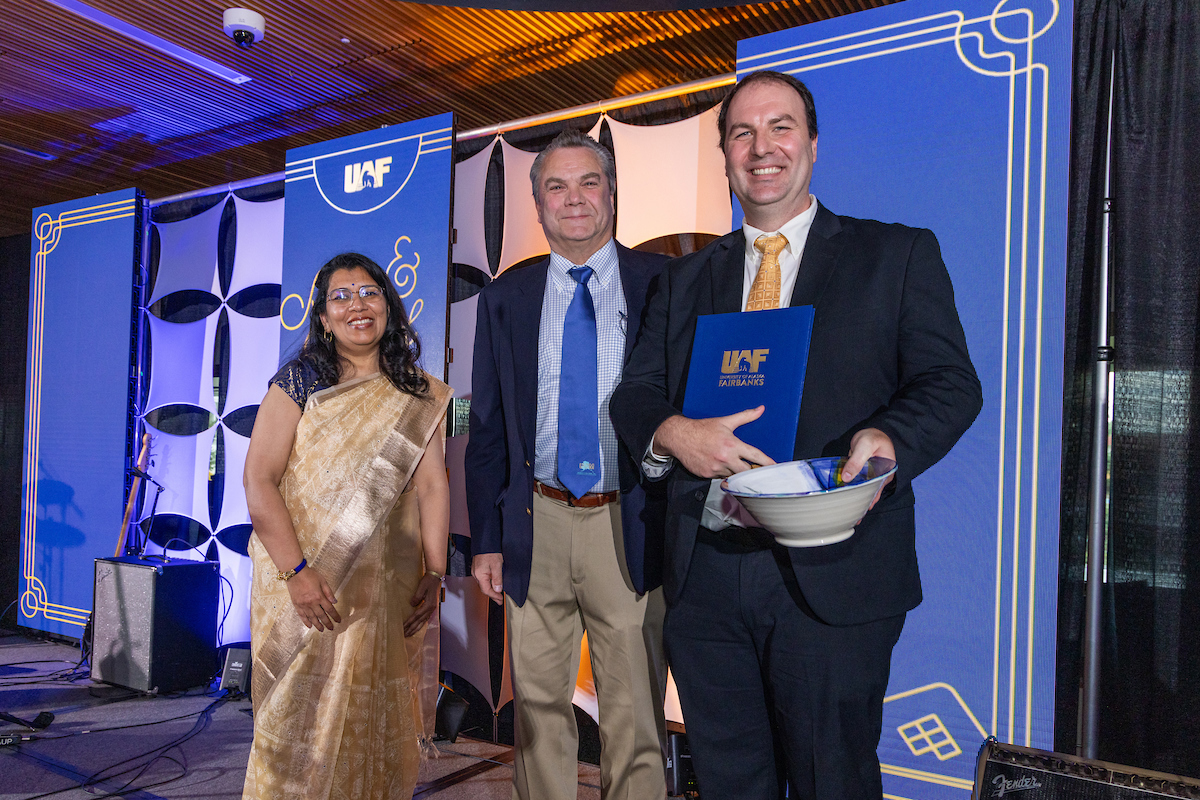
(866, 443)
(313, 599)
(488, 569)
(708, 447)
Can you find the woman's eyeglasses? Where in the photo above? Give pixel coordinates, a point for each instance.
(341, 297)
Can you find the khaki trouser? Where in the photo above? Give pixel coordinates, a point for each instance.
(579, 581)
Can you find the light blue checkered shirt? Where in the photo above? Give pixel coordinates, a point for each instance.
(611, 324)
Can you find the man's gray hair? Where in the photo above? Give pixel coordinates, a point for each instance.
(574, 138)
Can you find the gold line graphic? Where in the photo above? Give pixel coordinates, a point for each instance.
(927, 777)
(347, 151)
(34, 598)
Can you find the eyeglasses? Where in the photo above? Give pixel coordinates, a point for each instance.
(368, 292)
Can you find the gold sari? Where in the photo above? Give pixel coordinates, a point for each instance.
(336, 714)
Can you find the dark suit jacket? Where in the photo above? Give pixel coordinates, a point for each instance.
(887, 352)
(500, 451)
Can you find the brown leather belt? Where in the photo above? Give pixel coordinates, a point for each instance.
(589, 500)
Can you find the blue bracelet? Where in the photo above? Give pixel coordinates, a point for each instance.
(287, 576)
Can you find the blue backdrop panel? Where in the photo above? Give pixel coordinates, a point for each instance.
(954, 116)
(385, 194)
(76, 402)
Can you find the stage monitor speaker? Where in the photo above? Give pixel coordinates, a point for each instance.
(681, 778)
(451, 710)
(235, 674)
(1023, 773)
(154, 623)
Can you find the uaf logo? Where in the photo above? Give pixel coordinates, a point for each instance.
(367, 175)
(742, 367)
(742, 360)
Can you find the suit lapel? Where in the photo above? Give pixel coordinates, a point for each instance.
(526, 324)
(728, 267)
(820, 257)
(633, 286)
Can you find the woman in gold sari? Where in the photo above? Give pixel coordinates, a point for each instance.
(346, 485)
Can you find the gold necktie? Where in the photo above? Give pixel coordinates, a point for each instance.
(764, 292)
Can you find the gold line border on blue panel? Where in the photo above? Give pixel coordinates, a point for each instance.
(35, 599)
(956, 27)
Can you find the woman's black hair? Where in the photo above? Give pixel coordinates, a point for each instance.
(399, 349)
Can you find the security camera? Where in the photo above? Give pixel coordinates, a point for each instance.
(244, 26)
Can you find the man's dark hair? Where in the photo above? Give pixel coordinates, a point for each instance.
(573, 138)
(810, 107)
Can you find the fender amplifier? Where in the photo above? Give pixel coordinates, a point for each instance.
(1022, 773)
(154, 623)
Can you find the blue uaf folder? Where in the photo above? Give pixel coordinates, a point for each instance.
(749, 359)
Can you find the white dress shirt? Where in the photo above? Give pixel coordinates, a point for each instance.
(608, 298)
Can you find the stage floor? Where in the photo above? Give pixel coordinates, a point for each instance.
(191, 745)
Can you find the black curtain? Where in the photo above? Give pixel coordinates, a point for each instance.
(1147, 53)
(14, 322)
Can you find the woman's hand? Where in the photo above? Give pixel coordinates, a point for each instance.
(425, 600)
(313, 599)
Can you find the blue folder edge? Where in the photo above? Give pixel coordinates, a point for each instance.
(747, 359)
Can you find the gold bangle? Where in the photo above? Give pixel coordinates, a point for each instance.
(291, 573)
(435, 574)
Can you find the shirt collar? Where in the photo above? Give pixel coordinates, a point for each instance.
(795, 229)
(603, 263)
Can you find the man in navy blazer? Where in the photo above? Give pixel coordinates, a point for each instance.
(568, 563)
(781, 655)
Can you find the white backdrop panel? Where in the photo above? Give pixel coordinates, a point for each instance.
(470, 180)
(233, 501)
(180, 464)
(188, 254)
(236, 568)
(462, 342)
(253, 358)
(259, 254)
(464, 637)
(681, 159)
(523, 237)
(181, 362)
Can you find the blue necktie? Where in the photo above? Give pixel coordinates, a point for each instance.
(578, 417)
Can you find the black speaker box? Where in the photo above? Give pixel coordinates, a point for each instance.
(681, 778)
(451, 710)
(154, 623)
(1022, 773)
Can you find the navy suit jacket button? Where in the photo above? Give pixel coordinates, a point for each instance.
(701, 494)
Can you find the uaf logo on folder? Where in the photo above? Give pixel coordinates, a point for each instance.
(742, 367)
(744, 360)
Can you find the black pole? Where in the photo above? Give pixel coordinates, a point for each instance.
(1098, 480)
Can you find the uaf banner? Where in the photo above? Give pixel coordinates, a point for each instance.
(84, 276)
(385, 194)
(953, 115)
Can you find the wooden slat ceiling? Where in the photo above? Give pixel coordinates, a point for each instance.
(114, 112)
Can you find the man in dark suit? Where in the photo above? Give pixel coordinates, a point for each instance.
(559, 522)
(781, 655)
